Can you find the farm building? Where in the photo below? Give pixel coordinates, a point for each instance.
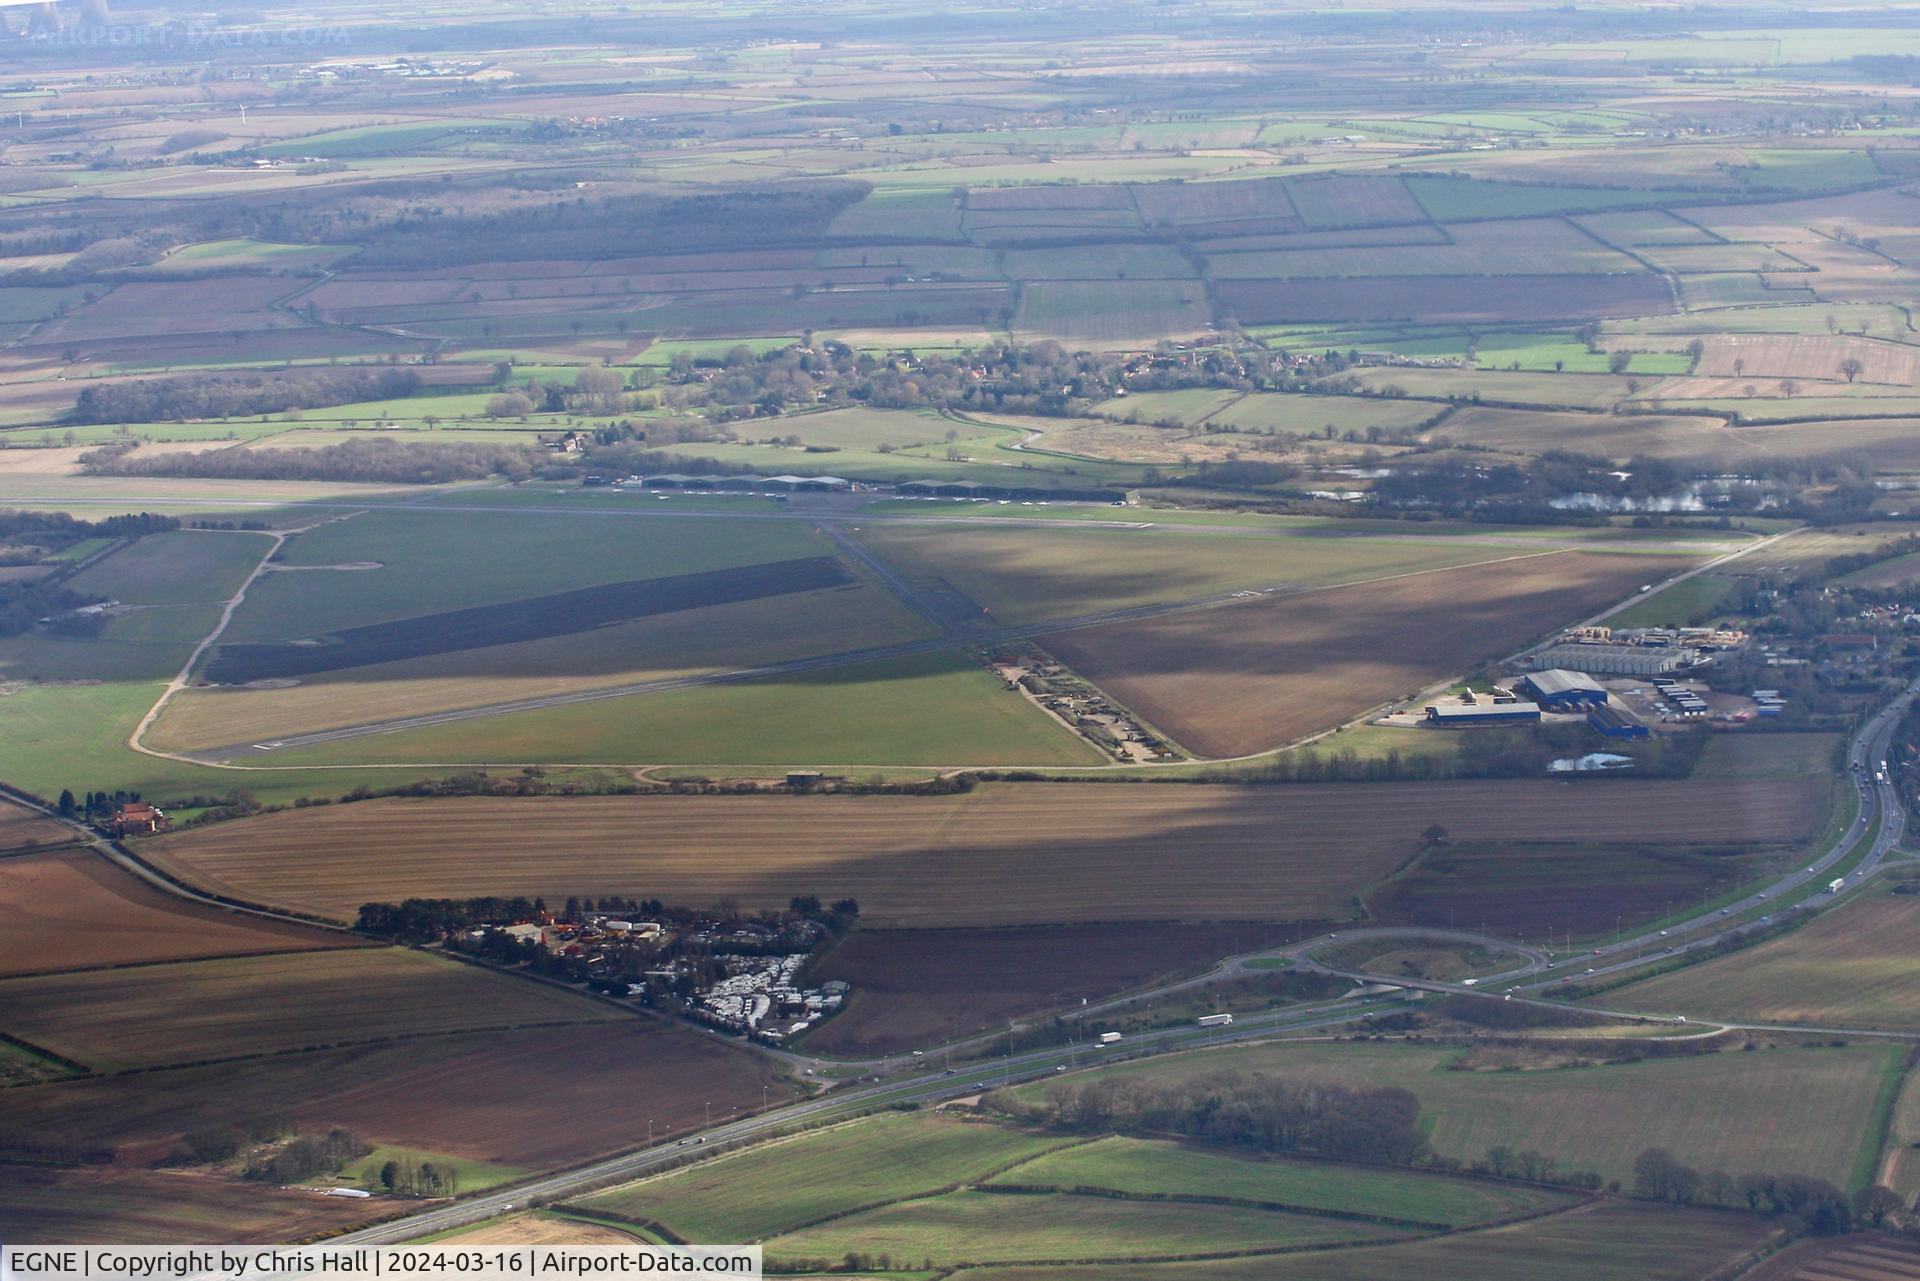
(1467, 715)
(1612, 660)
(1558, 689)
(138, 819)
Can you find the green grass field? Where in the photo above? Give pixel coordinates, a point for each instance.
(979, 1227)
(467, 1175)
(1497, 386)
(1715, 1111)
(1186, 406)
(75, 736)
(1143, 1167)
(934, 709)
(1615, 1241)
(214, 255)
(1446, 199)
(781, 1186)
(1854, 967)
(1686, 603)
(181, 568)
(435, 561)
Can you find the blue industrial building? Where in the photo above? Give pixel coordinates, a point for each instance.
(1616, 722)
(1559, 690)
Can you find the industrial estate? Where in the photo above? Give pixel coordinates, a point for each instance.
(1167, 641)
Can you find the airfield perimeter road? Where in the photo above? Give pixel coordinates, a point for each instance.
(1872, 837)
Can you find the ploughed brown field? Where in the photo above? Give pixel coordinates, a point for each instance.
(1254, 675)
(1438, 298)
(917, 987)
(1003, 854)
(20, 828)
(112, 1206)
(1861, 1257)
(232, 1007)
(524, 1099)
(75, 910)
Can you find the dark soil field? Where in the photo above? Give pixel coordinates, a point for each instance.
(561, 614)
(1251, 676)
(131, 1207)
(1861, 1257)
(1527, 889)
(1003, 854)
(1445, 298)
(916, 987)
(523, 1099)
(155, 1015)
(44, 898)
(21, 828)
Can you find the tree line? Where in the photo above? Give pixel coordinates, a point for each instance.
(379, 461)
(24, 604)
(209, 396)
(1814, 1204)
(1379, 1124)
(68, 529)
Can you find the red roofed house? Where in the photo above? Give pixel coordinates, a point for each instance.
(138, 819)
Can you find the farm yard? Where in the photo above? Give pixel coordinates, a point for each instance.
(1004, 854)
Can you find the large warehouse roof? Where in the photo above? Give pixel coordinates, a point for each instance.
(1559, 680)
